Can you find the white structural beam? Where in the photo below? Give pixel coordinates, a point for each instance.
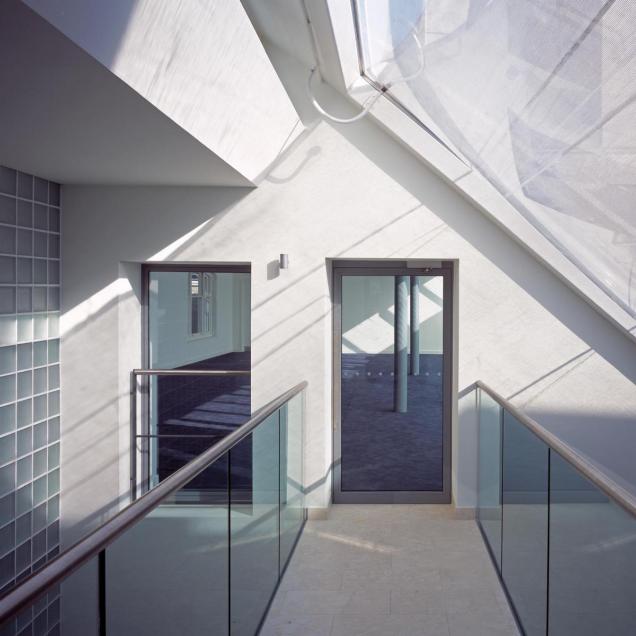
(200, 63)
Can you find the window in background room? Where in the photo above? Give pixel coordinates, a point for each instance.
(202, 303)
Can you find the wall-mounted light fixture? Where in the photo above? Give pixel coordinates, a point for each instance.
(283, 261)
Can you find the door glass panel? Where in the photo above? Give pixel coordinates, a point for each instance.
(197, 320)
(392, 397)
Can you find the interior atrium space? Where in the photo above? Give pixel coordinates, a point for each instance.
(318, 318)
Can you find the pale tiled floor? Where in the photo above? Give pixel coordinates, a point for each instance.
(390, 570)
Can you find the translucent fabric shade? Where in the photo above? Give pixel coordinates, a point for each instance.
(540, 97)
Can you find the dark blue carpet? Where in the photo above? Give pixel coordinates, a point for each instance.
(382, 449)
(213, 406)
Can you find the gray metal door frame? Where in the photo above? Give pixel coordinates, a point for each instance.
(392, 268)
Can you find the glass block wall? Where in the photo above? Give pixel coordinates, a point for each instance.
(29, 378)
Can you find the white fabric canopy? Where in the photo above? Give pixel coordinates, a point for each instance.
(540, 96)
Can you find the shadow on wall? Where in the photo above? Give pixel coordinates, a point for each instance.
(556, 297)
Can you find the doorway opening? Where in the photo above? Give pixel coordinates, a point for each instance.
(392, 382)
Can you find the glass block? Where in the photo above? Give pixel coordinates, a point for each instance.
(7, 568)
(54, 193)
(7, 240)
(54, 272)
(7, 270)
(40, 272)
(7, 359)
(24, 300)
(39, 545)
(25, 441)
(54, 246)
(7, 538)
(40, 244)
(25, 273)
(7, 180)
(54, 482)
(54, 299)
(53, 535)
(24, 413)
(8, 330)
(54, 508)
(7, 300)
(25, 384)
(23, 528)
(39, 517)
(40, 380)
(23, 556)
(25, 328)
(39, 299)
(39, 490)
(39, 435)
(54, 429)
(39, 353)
(25, 185)
(39, 408)
(40, 190)
(7, 210)
(7, 508)
(7, 418)
(40, 217)
(54, 377)
(54, 456)
(54, 325)
(25, 470)
(54, 351)
(25, 242)
(40, 327)
(25, 213)
(7, 448)
(54, 403)
(25, 356)
(40, 462)
(7, 388)
(7, 479)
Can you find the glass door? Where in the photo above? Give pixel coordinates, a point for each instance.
(392, 376)
(198, 354)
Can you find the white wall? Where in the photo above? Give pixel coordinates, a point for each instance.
(346, 192)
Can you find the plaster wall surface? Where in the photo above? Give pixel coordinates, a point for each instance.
(199, 63)
(340, 192)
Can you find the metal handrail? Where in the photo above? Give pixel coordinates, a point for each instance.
(93, 544)
(601, 480)
(136, 372)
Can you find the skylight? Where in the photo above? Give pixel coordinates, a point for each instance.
(540, 97)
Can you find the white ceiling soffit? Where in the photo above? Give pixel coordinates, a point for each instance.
(574, 220)
(67, 118)
(303, 30)
(200, 63)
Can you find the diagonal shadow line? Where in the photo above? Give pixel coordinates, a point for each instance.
(321, 265)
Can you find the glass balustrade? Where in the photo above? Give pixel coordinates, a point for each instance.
(565, 550)
(204, 565)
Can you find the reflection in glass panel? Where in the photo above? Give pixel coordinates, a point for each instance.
(525, 523)
(386, 446)
(174, 561)
(489, 494)
(254, 526)
(592, 556)
(292, 502)
(197, 321)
